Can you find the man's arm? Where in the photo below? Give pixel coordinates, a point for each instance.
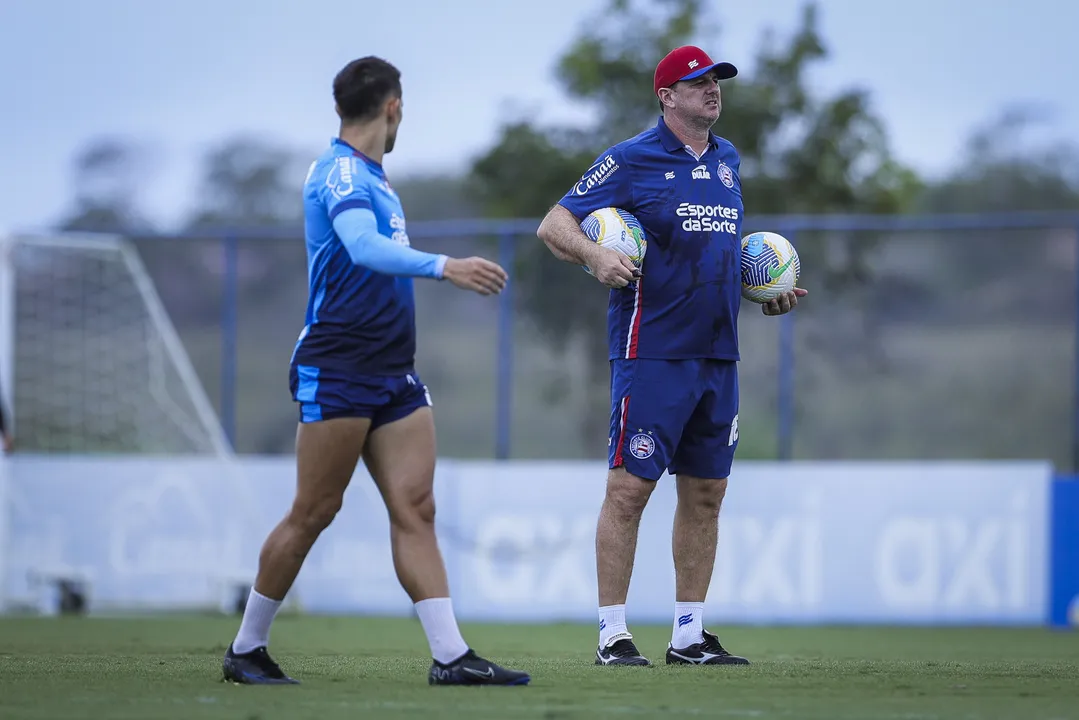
(605, 184)
(561, 232)
(358, 229)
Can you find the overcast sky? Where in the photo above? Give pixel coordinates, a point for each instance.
(182, 76)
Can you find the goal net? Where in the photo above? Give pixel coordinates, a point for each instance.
(89, 360)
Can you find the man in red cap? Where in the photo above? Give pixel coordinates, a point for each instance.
(673, 342)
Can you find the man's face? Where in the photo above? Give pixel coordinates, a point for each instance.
(394, 115)
(698, 101)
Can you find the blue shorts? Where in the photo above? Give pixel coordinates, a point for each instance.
(327, 394)
(674, 415)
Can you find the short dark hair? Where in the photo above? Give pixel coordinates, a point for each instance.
(363, 85)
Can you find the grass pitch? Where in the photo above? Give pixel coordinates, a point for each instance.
(169, 668)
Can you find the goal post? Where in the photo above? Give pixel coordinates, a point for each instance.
(90, 360)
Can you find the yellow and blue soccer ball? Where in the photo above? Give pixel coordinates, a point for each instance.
(770, 266)
(618, 230)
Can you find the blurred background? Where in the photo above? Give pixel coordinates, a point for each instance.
(188, 129)
(922, 156)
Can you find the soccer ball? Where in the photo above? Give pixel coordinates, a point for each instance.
(770, 266)
(618, 230)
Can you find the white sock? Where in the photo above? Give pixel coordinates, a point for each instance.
(687, 624)
(255, 627)
(440, 626)
(612, 623)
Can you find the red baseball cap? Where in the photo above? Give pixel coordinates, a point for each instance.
(688, 62)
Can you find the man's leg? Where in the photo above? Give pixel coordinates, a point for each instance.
(649, 404)
(694, 540)
(702, 463)
(616, 546)
(326, 456)
(400, 456)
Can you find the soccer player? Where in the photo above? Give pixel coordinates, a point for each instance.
(673, 343)
(352, 373)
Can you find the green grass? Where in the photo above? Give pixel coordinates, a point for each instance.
(165, 668)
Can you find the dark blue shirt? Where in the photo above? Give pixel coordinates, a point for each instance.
(357, 320)
(685, 306)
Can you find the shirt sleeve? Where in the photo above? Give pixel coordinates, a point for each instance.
(605, 184)
(358, 229)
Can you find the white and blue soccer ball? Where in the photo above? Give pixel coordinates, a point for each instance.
(770, 266)
(618, 230)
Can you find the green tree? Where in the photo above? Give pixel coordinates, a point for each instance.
(800, 153)
(108, 175)
(247, 183)
(1002, 169)
(434, 197)
(1006, 169)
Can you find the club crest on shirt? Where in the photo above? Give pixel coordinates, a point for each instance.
(726, 175)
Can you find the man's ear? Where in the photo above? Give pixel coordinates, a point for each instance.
(393, 108)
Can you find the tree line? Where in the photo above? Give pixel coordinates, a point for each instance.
(802, 151)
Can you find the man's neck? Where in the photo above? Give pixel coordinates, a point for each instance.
(695, 138)
(369, 138)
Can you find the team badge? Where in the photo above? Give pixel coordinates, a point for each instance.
(726, 176)
(641, 446)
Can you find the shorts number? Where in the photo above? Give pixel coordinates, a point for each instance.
(733, 438)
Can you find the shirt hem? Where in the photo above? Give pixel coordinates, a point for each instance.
(330, 364)
(733, 357)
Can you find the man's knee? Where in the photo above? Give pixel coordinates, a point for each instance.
(314, 514)
(411, 508)
(627, 494)
(702, 495)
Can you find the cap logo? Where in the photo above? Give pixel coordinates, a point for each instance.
(693, 64)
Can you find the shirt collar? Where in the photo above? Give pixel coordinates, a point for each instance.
(341, 143)
(670, 141)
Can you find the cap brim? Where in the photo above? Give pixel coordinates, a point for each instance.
(723, 70)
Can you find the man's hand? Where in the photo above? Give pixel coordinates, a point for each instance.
(611, 268)
(475, 274)
(7, 442)
(784, 303)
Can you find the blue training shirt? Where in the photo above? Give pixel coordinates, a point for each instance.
(358, 320)
(685, 305)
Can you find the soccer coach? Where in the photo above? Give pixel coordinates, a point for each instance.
(673, 343)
